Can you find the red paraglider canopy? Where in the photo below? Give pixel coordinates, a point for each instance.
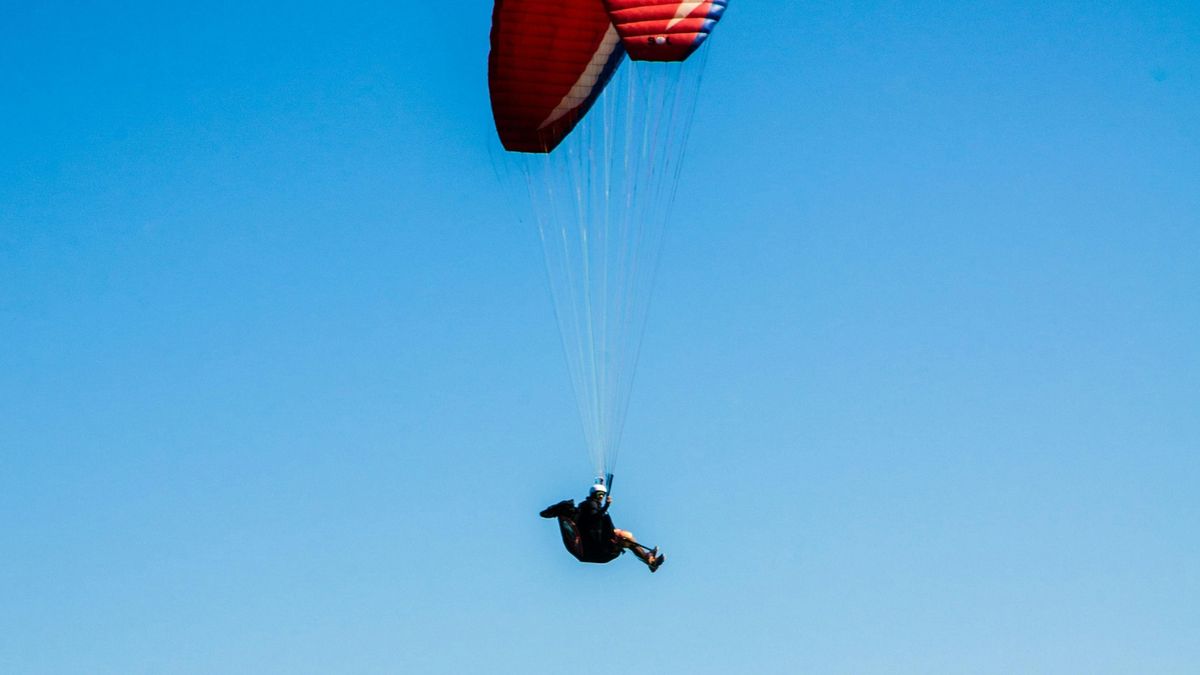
(550, 60)
(660, 30)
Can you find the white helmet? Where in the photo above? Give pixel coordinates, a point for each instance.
(597, 488)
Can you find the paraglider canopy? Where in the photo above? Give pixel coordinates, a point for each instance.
(549, 62)
(653, 30)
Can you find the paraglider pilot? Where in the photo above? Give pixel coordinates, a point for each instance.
(588, 532)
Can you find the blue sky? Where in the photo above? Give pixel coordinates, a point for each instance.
(281, 392)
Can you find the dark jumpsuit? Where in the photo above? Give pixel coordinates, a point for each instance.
(589, 534)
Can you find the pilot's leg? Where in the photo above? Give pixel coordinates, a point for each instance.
(627, 540)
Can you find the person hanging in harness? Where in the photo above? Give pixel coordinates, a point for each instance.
(588, 532)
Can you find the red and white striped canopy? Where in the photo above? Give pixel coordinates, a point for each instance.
(654, 30)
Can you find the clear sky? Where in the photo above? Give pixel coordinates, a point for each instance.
(281, 392)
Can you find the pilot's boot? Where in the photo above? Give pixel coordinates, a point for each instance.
(656, 560)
